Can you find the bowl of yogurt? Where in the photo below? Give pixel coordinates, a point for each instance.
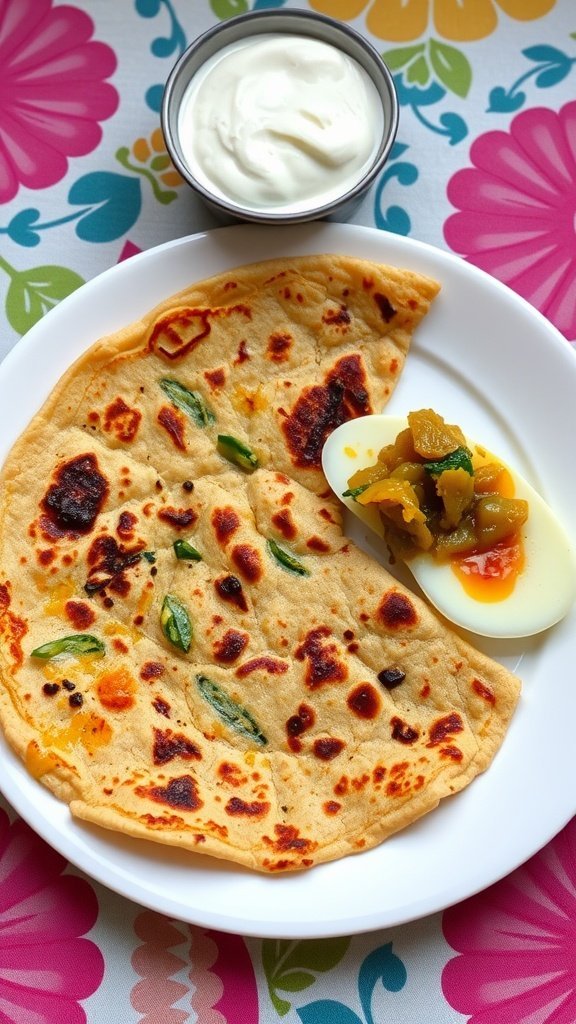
(280, 116)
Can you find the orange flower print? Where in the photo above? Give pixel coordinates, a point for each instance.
(153, 151)
(460, 20)
(149, 158)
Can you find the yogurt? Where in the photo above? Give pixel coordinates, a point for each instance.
(280, 123)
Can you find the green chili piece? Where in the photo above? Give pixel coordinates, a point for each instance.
(79, 643)
(176, 624)
(231, 713)
(185, 551)
(237, 452)
(286, 560)
(150, 556)
(191, 402)
(460, 458)
(353, 492)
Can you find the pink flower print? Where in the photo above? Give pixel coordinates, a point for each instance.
(517, 944)
(45, 966)
(52, 89)
(157, 963)
(517, 209)
(128, 249)
(222, 987)
(225, 960)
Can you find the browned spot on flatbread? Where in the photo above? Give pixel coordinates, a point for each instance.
(127, 522)
(232, 774)
(364, 701)
(180, 331)
(161, 706)
(444, 727)
(240, 808)
(225, 522)
(122, 420)
(337, 317)
(179, 518)
(168, 745)
(108, 562)
(351, 372)
(452, 752)
(248, 562)
(152, 670)
(317, 544)
(279, 345)
(215, 378)
(327, 748)
(323, 407)
(483, 691)
(397, 611)
(321, 655)
(181, 792)
(284, 523)
(75, 498)
(298, 724)
(13, 628)
(386, 308)
(230, 589)
(288, 839)
(80, 614)
(174, 424)
(164, 821)
(403, 732)
(230, 646)
(262, 663)
(242, 355)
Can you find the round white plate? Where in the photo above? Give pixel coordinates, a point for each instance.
(483, 358)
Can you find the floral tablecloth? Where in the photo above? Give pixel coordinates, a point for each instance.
(485, 166)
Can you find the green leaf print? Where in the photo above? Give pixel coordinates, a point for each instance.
(401, 56)
(33, 292)
(228, 8)
(418, 73)
(451, 67)
(293, 966)
(297, 981)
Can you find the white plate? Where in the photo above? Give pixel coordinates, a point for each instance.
(484, 359)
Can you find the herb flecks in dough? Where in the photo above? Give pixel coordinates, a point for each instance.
(186, 552)
(190, 402)
(78, 644)
(286, 560)
(227, 709)
(176, 624)
(237, 452)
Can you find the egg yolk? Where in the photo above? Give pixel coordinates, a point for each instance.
(491, 575)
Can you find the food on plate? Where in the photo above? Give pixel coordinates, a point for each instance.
(191, 651)
(483, 545)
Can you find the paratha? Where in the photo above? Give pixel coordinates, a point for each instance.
(191, 650)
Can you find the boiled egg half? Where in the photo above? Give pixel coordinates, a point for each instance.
(542, 590)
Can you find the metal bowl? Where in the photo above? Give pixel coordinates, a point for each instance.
(293, 22)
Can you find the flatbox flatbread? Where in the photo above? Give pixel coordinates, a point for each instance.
(191, 650)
